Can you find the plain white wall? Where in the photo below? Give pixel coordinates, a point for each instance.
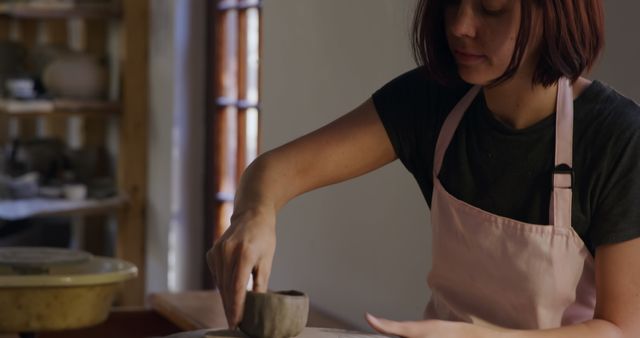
(361, 245)
(160, 121)
(364, 245)
(619, 66)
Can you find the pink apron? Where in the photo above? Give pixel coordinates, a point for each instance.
(495, 271)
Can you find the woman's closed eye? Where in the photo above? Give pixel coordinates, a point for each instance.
(494, 7)
(487, 7)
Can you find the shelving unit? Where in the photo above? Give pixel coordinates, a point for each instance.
(118, 29)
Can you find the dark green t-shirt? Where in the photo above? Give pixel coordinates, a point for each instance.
(508, 172)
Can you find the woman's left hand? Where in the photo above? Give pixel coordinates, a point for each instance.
(427, 328)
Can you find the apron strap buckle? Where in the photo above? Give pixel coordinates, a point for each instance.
(562, 177)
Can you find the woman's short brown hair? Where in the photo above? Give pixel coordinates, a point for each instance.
(572, 38)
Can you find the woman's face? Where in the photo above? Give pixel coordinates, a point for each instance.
(482, 36)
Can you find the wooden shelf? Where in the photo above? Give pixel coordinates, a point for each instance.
(58, 107)
(13, 210)
(80, 11)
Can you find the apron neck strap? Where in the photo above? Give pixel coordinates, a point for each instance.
(562, 176)
(449, 127)
(562, 180)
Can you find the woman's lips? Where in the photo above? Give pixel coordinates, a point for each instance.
(467, 58)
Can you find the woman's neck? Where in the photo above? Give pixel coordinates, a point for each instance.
(518, 104)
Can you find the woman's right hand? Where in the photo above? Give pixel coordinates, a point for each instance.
(246, 248)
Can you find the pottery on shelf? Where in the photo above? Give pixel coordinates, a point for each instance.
(281, 314)
(40, 56)
(75, 76)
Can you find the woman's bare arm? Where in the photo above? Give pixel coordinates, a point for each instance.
(350, 146)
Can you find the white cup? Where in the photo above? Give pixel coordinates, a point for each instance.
(75, 192)
(21, 88)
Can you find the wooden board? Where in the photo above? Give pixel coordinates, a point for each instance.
(194, 310)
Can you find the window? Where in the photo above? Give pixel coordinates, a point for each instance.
(233, 105)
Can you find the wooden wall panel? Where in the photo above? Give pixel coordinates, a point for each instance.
(97, 44)
(4, 28)
(28, 32)
(4, 129)
(132, 166)
(27, 128)
(94, 132)
(4, 120)
(56, 31)
(56, 126)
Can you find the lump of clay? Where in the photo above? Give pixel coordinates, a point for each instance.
(281, 314)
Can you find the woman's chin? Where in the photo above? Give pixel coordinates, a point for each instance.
(475, 77)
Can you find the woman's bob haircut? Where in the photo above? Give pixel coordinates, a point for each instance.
(572, 38)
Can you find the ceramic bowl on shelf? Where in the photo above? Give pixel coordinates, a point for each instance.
(45, 289)
(77, 76)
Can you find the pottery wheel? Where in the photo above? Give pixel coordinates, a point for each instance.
(38, 259)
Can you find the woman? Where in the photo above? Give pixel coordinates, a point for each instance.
(530, 170)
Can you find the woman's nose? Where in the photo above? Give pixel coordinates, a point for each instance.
(463, 21)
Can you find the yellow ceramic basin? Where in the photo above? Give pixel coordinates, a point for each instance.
(67, 296)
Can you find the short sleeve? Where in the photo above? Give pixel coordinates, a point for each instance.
(412, 108)
(616, 214)
(397, 104)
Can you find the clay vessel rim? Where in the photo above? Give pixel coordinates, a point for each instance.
(279, 294)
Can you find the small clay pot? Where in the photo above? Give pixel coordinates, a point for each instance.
(280, 314)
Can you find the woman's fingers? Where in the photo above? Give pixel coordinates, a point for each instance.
(395, 328)
(381, 326)
(246, 247)
(238, 293)
(218, 267)
(261, 275)
(230, 259)
(239, 263)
